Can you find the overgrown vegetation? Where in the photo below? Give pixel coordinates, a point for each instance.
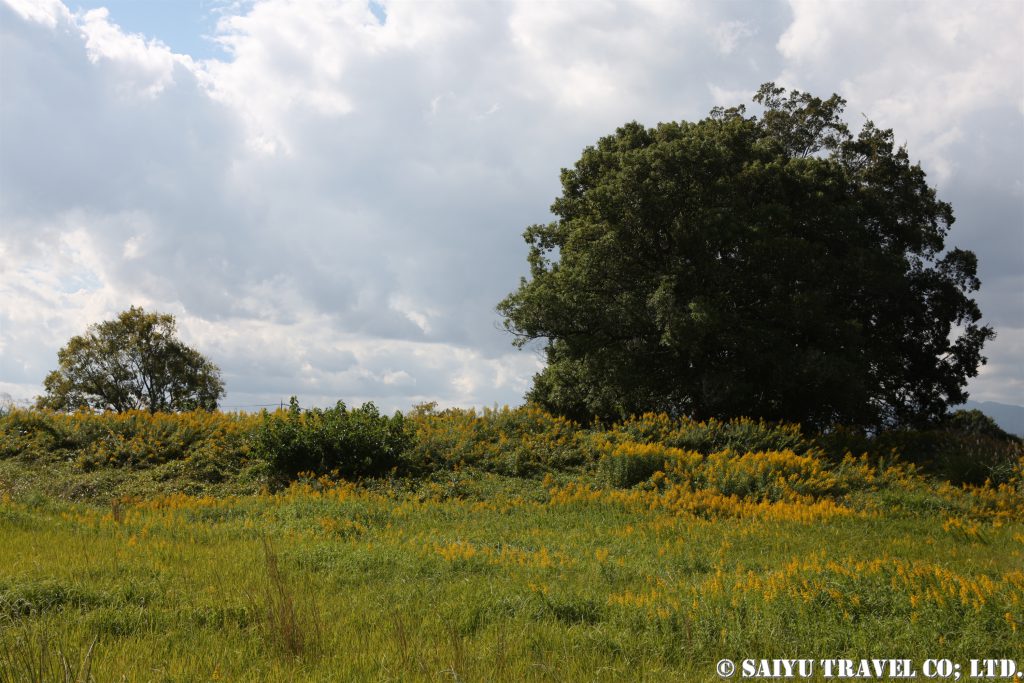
(207, 448)
(777, 265)
(506, 544)
(351, 443)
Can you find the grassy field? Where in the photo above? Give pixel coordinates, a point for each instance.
(469, 575)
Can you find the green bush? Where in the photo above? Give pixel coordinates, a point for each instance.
(967, 448)
(769, 475)
(515, 441)
(26, 433)
(528, 440)
(630, 463)
(353, 443)
(739, 434)
(977, 422)
(958, 456)
(134, 439)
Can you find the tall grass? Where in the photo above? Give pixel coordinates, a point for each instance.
(503, 545)
(292, 623)
(28, 654)
(514, 579)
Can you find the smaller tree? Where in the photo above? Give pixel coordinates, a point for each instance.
(135, 362)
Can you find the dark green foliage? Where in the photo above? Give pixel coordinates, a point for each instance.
(741, 435)
(355, 442)
(966, 448)
(779, 267)
(132, 363)
(961, 457)
(978, 423)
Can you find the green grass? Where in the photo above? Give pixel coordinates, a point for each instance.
(472, 576)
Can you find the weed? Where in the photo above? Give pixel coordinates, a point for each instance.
(29, 654)
(292, 628)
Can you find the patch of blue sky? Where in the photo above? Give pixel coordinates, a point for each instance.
(378, 11)
(186, 26)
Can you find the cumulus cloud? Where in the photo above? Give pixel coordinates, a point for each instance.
(334, 208)
(926, 68)
(46, 12)
(948, 78)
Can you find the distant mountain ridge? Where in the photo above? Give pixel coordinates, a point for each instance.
(1006, 415)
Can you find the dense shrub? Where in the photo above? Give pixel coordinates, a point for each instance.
(355, 442)
(762, 475)
(26, 433)
(134, 438)
(711, 436)
(977, 422)
(629, 463)
(967, 448)
(523, 441)
(957, 456)
(516, 441)
(767, 475)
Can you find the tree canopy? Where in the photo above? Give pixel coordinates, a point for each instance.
(774, 266)
(135, 362)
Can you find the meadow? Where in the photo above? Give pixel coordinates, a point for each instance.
(502, 545)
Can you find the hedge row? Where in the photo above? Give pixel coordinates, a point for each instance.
(360, 442)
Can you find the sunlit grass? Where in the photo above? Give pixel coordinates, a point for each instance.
(483, 577)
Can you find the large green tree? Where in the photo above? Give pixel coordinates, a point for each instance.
(135, 362)
(776, 266)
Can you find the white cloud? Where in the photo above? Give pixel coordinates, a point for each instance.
(1002, 378)
(729, 34)
(922, 68)
(145, 67)
(46, 12)
(335, 208)
(724, 97)
(287, 59)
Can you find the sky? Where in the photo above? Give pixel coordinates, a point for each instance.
(330, 196)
